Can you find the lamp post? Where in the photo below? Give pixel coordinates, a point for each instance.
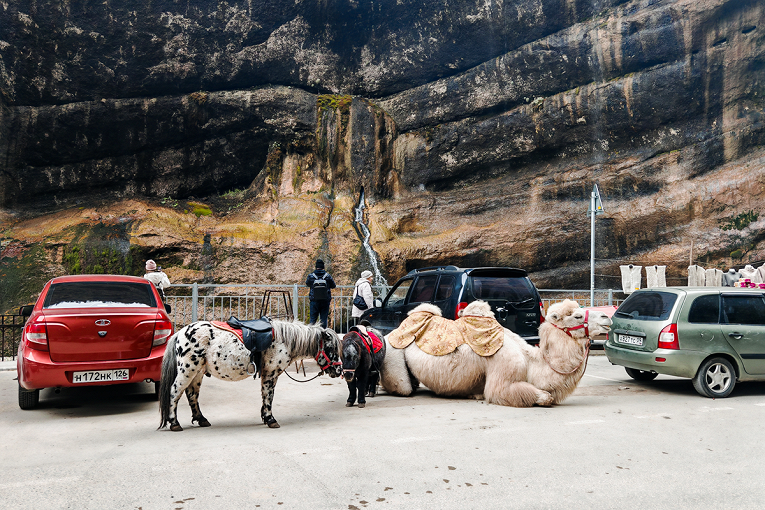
(596, 207)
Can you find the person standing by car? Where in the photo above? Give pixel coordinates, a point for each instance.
(155, 275)
(362, 295)
(320, 282)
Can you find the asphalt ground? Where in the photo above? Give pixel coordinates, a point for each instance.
(614, 443)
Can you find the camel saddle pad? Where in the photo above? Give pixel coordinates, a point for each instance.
(438, 336)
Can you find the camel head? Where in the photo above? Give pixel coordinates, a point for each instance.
(569, 317)
(478, 309)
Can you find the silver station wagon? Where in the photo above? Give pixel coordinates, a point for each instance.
(712, 335)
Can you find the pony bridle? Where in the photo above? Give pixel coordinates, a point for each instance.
(323, 360)
(585, 325)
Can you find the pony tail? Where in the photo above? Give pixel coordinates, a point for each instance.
(169, 373)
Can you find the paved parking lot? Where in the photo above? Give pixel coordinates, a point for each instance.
(614, 444)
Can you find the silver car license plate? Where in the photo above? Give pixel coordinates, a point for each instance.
(631, 340)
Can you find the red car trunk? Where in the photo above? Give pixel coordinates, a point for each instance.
(97, 334)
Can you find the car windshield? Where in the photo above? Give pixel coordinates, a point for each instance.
(649, 306)
(518, 291)
(99, 295)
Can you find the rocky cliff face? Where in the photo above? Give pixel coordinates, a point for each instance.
(475, 129)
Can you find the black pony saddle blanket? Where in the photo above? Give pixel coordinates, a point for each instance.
(256, 335)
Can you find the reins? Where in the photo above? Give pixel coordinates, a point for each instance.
(584, 360)
(323, 367)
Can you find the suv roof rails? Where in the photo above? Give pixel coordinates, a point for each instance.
(433, 268)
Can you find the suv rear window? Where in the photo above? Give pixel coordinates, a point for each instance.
(518, 291)
(648, 306)
(98, 295)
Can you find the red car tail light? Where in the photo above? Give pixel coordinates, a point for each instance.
(541, 312)
(36, 336)
(668, 338)
(162, 331)
(460, 306)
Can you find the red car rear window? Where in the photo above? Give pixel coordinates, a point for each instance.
(99, 295)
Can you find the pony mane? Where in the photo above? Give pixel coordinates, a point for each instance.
(300, 339)
(426, 307)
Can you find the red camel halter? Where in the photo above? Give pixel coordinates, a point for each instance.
(586, 356)
(584, 325)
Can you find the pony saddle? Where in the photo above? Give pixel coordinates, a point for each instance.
(257, 335)
(371, 341)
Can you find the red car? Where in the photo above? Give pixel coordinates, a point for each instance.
(92, 330)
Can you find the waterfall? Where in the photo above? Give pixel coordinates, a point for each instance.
(365, 235)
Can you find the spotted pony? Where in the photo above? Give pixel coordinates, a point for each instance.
(201, 349)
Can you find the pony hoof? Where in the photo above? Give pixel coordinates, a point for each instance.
(349, 404)
(370, 395)
(176, 428)
(362, 406)
(203, 422)
(272, 423)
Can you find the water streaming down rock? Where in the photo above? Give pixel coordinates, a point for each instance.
(364, 233)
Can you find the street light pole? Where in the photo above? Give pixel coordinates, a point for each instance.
(596, 207)
(592, 247)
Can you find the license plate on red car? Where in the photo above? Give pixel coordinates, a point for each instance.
(120, 374)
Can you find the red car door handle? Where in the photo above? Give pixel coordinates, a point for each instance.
(737, 336)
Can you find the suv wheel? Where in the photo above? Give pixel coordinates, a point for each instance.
(715, 379)
(640, 375)
(28, 399)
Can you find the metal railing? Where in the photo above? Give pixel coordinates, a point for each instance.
(194, 302)
(602, 297)
(10, 335)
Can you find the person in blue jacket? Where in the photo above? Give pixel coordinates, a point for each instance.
(320, 282)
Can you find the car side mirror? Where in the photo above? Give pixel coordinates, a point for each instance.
(26, 310)
(167, 308)
(377, 303)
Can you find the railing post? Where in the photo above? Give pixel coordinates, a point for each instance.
(194, 297)
(295, 300)
(610, 297)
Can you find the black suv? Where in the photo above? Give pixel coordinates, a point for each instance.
(513, 298)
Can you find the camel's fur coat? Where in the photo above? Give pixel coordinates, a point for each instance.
(518, 374)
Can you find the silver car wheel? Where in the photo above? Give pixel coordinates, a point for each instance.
(716, 378)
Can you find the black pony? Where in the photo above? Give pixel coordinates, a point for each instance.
(361, 364)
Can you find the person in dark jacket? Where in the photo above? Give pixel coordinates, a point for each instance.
(320, 296)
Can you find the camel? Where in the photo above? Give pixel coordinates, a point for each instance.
(517, 374)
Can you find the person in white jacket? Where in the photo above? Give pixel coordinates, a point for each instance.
(155, 275)
(363, 289)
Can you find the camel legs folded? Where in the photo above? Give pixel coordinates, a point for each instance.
(515, 394)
